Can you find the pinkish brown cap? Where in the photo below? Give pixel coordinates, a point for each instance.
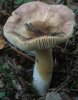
(45, 19)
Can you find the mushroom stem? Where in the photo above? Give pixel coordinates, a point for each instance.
(42, 71)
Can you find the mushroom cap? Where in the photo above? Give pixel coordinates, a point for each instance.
(32, 25)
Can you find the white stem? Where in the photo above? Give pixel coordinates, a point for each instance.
(42, 71)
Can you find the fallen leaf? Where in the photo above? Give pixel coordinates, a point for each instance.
(2, 42)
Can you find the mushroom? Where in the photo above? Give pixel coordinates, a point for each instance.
(39, 27)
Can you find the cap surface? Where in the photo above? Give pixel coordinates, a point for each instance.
(34, 26)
